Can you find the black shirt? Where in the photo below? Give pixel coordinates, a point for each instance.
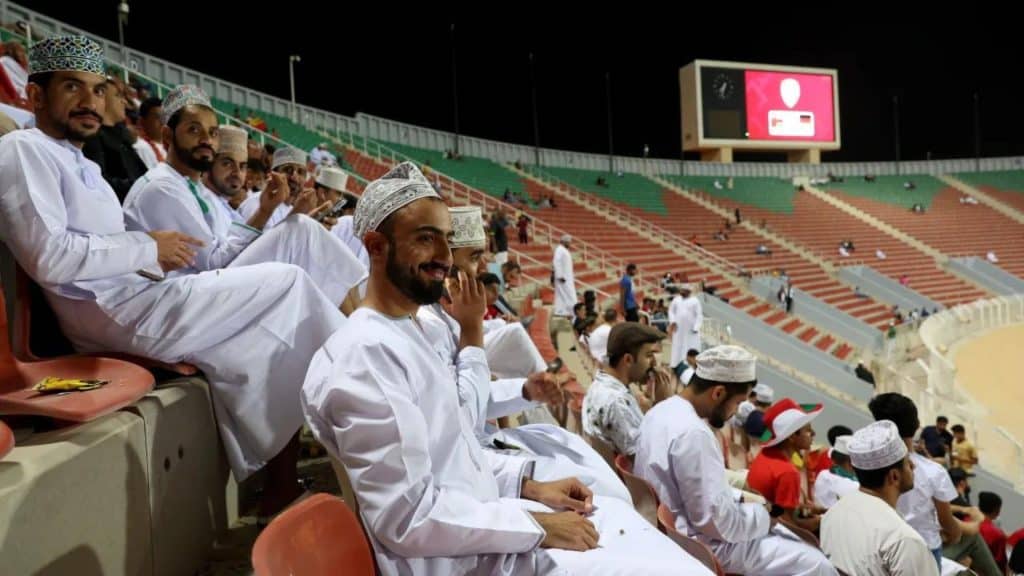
(112, 149)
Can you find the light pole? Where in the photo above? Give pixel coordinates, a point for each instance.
(291, 77)
(122, 21)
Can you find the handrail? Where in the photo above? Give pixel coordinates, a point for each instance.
(589, 251)
(635, 221)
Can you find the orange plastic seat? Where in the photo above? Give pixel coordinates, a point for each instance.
(319, 536)
(6, 440)
(695, 548)
(128, 383)
(645, 499)
(34, 311)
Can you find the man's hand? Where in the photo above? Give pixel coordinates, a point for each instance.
(274, 194)
(566, 531)
(568, 493)
(306, 203)
(641, 399)
(543, 387)
(469, 302)
(664, 384)
(174, 250)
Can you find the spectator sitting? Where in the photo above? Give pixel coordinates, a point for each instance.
(843, 252)
(918, 208)
(991, 257)
(762, 250)
(909, 185)
(718, 184)
(869, 178)
(969, 200)
(721, 236)
(880, 254)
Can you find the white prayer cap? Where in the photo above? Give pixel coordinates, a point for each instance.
(333, 178)
(726, 363)
(876, 446)
(180, 97)
(686, 288)
(287, 155)
(401, 186)
(566, 239)
(234, 143)
(744, 411)
(468, 227)
(843, 444)
(764, 393)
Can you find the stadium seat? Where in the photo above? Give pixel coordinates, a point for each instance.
(645, 499)
(319, 536)
(127, 383)
(666, 521)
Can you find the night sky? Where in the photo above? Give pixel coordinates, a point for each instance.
(397, 63)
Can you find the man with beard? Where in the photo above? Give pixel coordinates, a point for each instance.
(863, 533)
(678, 453)
(226, 177)
(252, 330)
(290, 163)
(380, 401)
(172, 197)
(610, 411)
(520, 381)
(113, 146)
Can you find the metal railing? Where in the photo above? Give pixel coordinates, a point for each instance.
(667, 238)
(458, 190)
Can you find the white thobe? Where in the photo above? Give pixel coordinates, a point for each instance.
(163, 199)
(345, 232)
(597, 343)
(379, 400)
(557, 452)
(864, 536)
(680, 456)
(251, 204)
(146, 153)
(830, 487)
(251, 329)
(611, 413)
(16, 74)
(565, 292)
(687, 314)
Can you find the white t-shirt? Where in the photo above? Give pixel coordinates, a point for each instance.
(829, 488)
(931, 481)
(599, 342)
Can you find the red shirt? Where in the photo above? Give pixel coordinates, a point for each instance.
(492, 312)
(773, 474)
(996, 540)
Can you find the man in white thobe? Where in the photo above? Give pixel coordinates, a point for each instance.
(171, 197)
(251, 329)
(831, 485)
(685, 317)
(290, 163)
(863, 533)
(678, 453)
(565, 281)
(15, 64)
(430, 499)
(522, 383)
